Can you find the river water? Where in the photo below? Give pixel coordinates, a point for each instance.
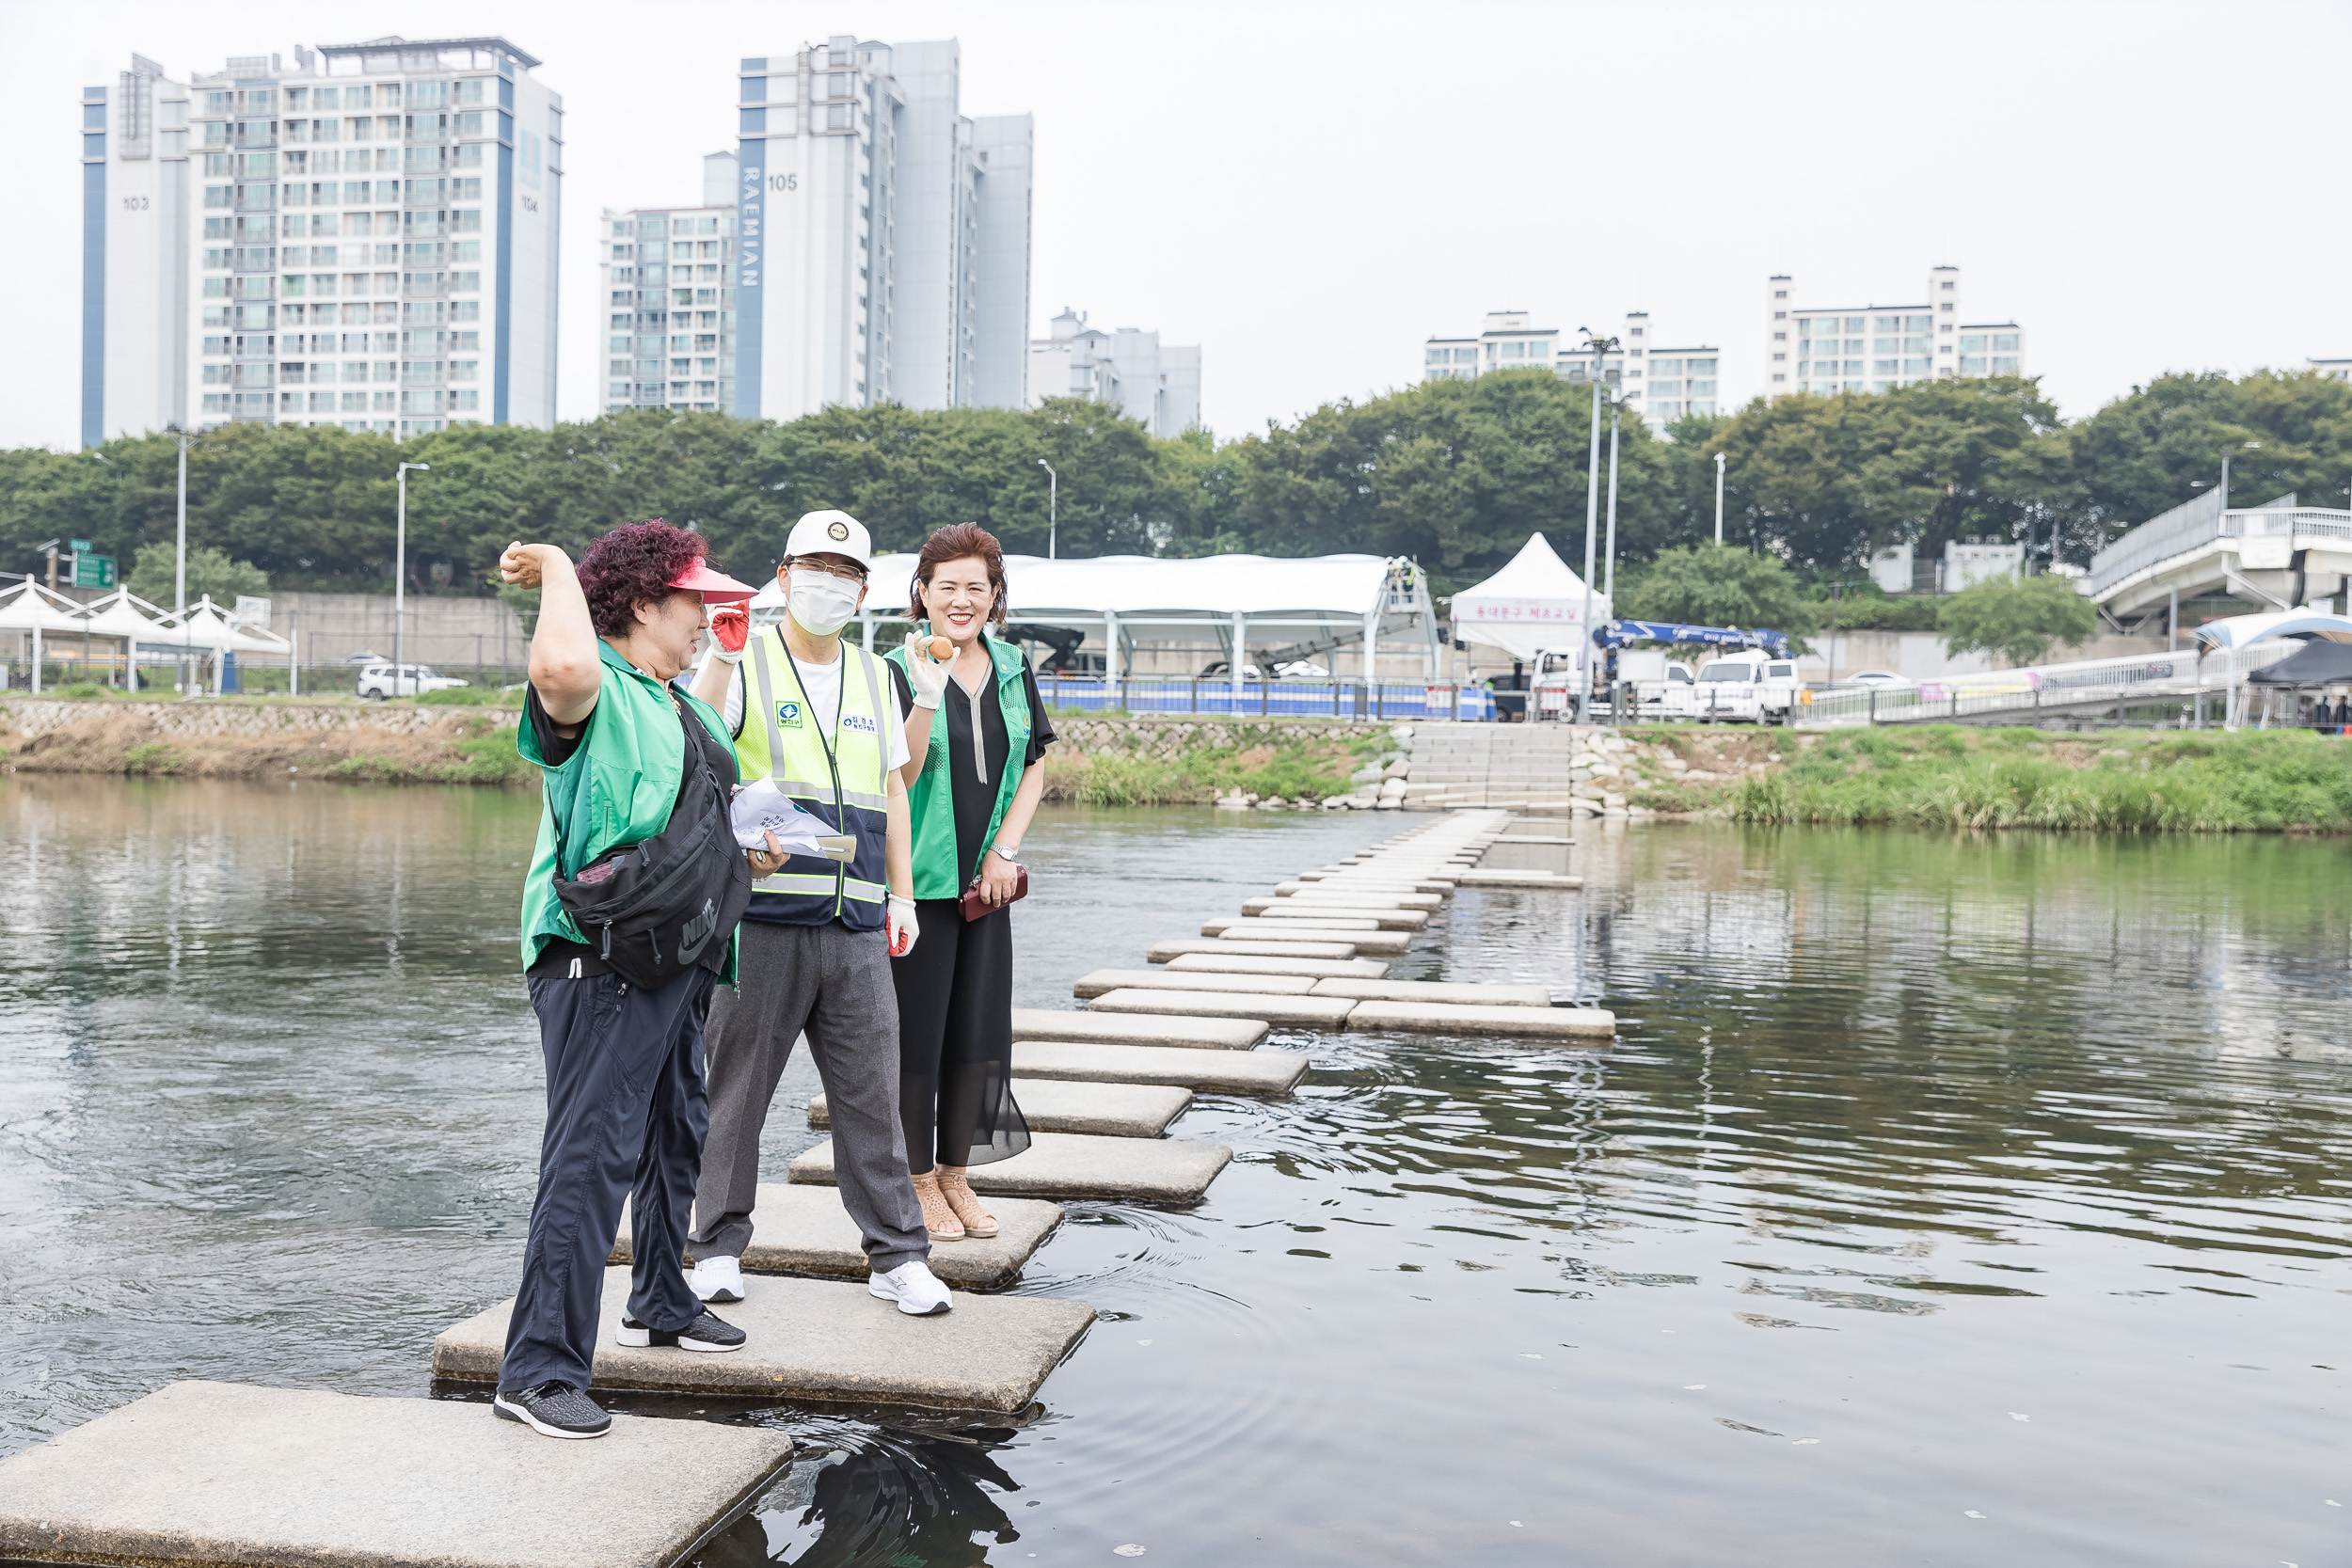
(1940, 1201)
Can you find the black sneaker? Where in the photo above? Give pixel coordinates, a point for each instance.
(553, 1410)
(709, 1332)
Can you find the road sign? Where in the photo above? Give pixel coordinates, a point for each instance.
(79, 546)
(93, 570)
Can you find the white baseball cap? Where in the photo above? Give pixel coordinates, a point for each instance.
(831, 532)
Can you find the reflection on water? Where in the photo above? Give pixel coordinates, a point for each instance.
(1943, 1200)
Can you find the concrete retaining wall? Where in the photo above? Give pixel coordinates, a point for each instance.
(1167, 738)
(30, 718)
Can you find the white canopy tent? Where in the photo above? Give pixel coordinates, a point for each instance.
(205, 630)
(33, 609)
(2234, 632)
(1533, 602)
(117, 615)
(1315, 601)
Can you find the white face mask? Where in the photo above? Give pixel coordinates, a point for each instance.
(820, 602)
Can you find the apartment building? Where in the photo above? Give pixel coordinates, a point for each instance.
(882, 244)
(1657, 383)
(367, 239)
(668, 299)
(1148, 380)
(1874, 348)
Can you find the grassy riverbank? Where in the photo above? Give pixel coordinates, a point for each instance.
(1953, 777)
(1193, 765)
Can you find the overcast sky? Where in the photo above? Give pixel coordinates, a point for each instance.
(1309, 190)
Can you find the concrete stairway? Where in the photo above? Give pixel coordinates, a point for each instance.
(1518, 766)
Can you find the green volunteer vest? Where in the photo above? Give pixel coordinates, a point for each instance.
(937, 866)
(616, 787)
(846, 785)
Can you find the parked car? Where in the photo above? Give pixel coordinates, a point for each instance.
(380, 681)
(1750, 686)
(367, 658)
(1883, 680)
(1222, 667)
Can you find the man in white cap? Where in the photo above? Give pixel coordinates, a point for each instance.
(821, 719)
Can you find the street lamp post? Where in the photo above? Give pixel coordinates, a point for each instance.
(1599, 347)
(400, 566)
(1718, 498)
(1053, 509)
(1609, 583)
(2249, 446)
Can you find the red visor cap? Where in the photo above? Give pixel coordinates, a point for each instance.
(715, 587)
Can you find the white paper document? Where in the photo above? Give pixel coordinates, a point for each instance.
(761, 808)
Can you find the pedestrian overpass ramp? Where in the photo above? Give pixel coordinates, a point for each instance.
(2281, 554)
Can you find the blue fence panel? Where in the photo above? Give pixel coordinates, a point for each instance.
(1390, 700)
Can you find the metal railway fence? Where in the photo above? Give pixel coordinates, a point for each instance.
(1262, 699)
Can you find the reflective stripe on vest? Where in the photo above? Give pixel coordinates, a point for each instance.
(844, 784)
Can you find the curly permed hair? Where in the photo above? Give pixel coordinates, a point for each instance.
(634, 565)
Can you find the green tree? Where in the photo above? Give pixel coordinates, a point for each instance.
(210, 571)
(2018, 620)
(1720, 585)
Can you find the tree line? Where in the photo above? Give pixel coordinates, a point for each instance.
(1456, 473)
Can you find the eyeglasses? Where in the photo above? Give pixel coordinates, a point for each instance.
(805, 564)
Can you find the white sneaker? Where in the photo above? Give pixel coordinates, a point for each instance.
(718, 1279)
(914, 1287)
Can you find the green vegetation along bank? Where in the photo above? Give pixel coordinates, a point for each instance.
(2276, 781)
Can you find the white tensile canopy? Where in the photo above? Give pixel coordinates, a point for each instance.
(1533, 602)
(118, 614)
(33, 609)
(205, 629)
(1306, 599)
(2232, 632)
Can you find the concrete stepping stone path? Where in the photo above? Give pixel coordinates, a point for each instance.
(1105, 1110)
(1522, 879)
(1252, 1073)
(810, 1340)
(217, 1473)
(1196, 1033)
(1328, 913)
(1251, 963)
(1072, 1164)
(1311, 1012)
(805, 1230)
(1101, 980)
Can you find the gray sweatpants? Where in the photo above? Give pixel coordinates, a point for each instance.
(834, 984)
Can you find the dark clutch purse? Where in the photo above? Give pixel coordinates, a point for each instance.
(974, 909)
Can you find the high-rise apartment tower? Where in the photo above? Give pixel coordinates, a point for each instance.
(883, 242)
(669, 299)
(367, 240)
(1874, 348)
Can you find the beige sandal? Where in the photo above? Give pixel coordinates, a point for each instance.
(938, 1217)
(958, 1192)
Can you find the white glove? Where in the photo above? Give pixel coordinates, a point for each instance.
(925, 674)
(900, 924)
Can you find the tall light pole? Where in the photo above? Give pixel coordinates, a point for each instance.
(2249, 446)
(1608, 588)
(1718, 498)
(1599, 347)
(179, 571)
(400, 566)
(1053, 508)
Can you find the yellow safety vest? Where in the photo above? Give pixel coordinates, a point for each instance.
(845, 785)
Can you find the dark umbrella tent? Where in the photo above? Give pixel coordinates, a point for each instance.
(2317, 663)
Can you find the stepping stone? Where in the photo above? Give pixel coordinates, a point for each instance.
(1250, 963)
(1436, 991)
(1441, 1017)
(1106, 1110)
(1260, 1073)
(805, 1230)
(813, 1339)
(1071, 1165)
(216, 1473)
(1280, 982)
(1310, 883)
(1350, 925)
(1363, 937)
(1370, 898)
(1193, 1034)
(1311, 1012)
(1522, 879)
(1177, 947)
(1329, 914)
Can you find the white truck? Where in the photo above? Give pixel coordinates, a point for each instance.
(1662, 685)
(1749, 686)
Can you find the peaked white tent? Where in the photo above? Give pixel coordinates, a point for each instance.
(1535, 602)
(31, 609)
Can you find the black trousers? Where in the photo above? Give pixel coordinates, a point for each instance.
(954, 1040)
(625, 1119)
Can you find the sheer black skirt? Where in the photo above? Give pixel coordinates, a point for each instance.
(954, 1040)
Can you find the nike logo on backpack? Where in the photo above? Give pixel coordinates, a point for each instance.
(696, 933)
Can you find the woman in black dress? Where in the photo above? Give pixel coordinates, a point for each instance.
(976, 732)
